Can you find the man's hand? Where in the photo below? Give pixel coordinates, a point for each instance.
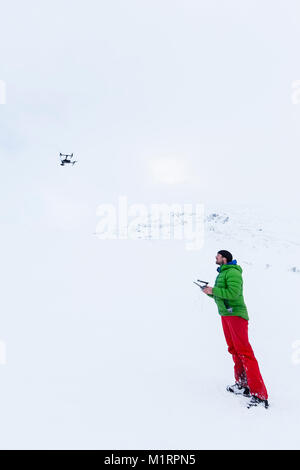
(208, 290)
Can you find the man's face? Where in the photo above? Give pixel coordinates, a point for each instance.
(220, 260)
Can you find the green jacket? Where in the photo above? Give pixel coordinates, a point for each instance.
(228, 291)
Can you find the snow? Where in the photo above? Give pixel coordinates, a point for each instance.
(110, 344)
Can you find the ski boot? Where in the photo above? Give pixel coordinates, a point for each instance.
(238, 389)
(255, 401)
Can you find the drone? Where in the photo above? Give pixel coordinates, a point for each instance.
(67, 159)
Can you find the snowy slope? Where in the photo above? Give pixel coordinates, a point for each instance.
(120, 349)
(109, 344)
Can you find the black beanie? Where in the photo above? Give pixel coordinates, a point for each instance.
(226, 255)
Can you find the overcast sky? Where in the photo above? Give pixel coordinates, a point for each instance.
(136, 88)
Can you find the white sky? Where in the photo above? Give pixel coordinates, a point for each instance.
(122, 82)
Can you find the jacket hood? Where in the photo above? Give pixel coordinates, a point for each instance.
(231, 265)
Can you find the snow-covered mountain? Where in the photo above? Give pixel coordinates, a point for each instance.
(121, 350)
(272, 237)
(172, 337)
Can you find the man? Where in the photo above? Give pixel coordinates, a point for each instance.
(228, 295)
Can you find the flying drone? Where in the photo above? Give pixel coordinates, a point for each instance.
(67, 159)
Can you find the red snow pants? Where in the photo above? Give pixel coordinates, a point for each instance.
(246, 370)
